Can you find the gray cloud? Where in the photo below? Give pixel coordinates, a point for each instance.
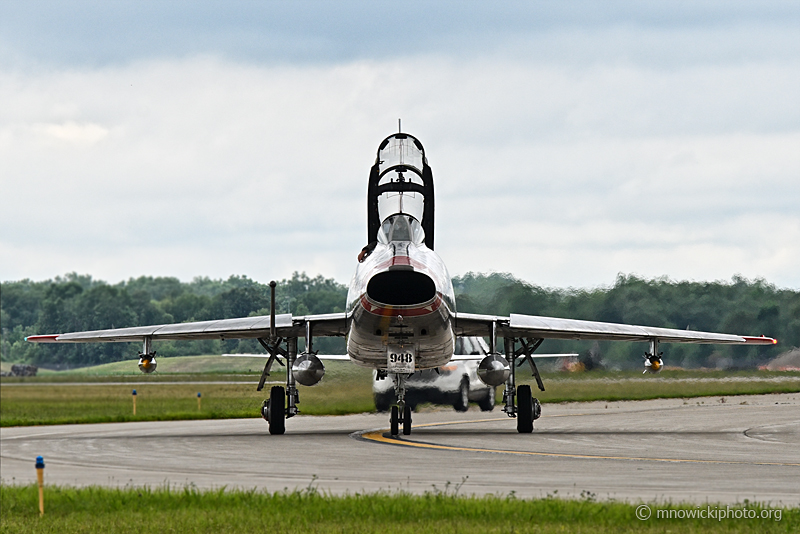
(91, 32)
(657, 141)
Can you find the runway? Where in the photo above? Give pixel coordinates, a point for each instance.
(708, 449)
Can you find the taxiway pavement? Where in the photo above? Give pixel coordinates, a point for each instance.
(699, 450)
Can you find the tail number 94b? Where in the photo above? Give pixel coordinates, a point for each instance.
(399, 359)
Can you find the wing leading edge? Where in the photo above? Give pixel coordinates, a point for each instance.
(533, 326)
(466, 324)
(331, 324)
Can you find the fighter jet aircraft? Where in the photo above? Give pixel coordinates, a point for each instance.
(401, 314)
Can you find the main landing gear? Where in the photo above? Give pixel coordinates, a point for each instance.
(282, 403)
(520, 402)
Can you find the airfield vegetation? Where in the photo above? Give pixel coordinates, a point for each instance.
(104, 393)
(107, 397)
(143, 510)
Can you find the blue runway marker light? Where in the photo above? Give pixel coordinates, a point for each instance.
(40, 480)
(198, 394)
(134, 392)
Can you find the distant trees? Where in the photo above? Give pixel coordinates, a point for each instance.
(78, 302)
(739, 307)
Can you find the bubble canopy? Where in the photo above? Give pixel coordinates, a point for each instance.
(401, 153)
(401, 181)
(401, 227)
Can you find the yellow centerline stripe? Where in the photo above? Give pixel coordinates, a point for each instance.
(380, 437)
(444, 423)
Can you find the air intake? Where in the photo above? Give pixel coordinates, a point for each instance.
(401, 288)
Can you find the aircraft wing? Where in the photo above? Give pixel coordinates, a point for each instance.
(533, 326)
(331, 324)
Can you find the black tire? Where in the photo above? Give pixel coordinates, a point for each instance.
(524, 410)
(407, 420)
(276, 410)
(487, 403)
(461, 402)
(394, 421)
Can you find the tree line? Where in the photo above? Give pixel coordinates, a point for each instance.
(79, 302)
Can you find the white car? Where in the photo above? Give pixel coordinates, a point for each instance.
(456, 383)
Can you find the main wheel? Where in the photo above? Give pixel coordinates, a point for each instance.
(276, 410)
(407, 420)
(394, 421)
(461, 403)
(487, 403)
(524, 410)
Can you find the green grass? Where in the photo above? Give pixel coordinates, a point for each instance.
(188, 510)
(607, 386)
(345, 389)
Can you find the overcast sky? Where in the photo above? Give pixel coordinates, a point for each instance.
(569, 141)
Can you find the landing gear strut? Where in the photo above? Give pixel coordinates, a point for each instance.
(527, 408)
(282, 403)
(401, 407)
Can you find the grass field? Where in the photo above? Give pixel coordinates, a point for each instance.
(346, 389)
(103, 393)
(188, 510)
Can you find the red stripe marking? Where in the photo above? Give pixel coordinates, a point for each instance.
(50, 338)
(762, 340)
(400, 260)
(392, 311)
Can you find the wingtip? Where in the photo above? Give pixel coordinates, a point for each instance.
(49, 338)
(760, 340)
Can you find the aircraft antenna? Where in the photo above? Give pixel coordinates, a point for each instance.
(399, 128)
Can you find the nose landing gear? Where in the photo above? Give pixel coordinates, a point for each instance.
(401, 412)
(396, 420)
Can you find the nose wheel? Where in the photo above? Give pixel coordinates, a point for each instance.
(401, 412)
(396, 420)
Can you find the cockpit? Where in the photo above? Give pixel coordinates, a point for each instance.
(400, 204)
(401, 227)
(400, 164)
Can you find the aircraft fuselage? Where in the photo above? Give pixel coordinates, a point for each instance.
(401, 296)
